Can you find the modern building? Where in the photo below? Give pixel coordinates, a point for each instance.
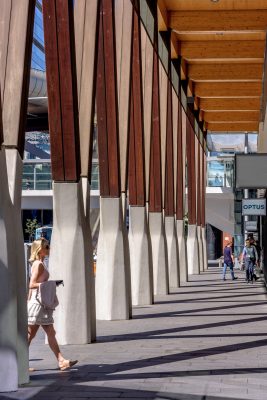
(137, 95)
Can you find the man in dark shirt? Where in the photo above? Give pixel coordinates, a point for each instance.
(228, 260)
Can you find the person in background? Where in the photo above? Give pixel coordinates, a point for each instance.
(228, 260)
(255, 244)
(258, 249)
(249, 259)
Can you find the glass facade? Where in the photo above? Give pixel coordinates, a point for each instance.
(37, 175)
(38, 56)
(220, 173)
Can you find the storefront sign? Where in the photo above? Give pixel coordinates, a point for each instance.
(254, 207)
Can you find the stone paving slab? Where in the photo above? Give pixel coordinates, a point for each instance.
(205, 341)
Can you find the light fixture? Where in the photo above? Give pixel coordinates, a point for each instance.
(215, 1)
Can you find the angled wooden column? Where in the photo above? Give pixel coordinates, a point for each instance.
(192, 243)
(123, 22)
(180, 192)
(69, 241)
(140, 252)
(86, 18)
(147, 80)
(16, 30)
(156, 225)
(191, 172)
(112, 285)
(62, 91)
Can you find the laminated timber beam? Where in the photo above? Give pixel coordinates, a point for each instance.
(223, 50)
(233, 116)
(220, 36)
(232, 126)
(162, 16)
(184, 21)
(229, 89)
(187, 5)
(225, 72)
(221, 104)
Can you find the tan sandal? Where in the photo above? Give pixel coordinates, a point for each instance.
(66, 364)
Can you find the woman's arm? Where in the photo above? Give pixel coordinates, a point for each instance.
(37, 270)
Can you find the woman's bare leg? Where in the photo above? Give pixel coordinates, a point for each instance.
(52, 341)
(32, 330)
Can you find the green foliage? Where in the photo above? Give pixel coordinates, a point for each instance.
(31, 226)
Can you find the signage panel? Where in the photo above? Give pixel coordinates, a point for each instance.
(251, 226)
(251, 171)
(254, 207)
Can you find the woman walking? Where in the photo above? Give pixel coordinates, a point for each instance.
(38, 315)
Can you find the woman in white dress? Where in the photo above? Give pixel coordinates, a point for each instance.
(37, 314)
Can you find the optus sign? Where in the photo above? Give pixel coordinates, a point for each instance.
(254, 207)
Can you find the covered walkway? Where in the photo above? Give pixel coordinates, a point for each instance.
(208, 338)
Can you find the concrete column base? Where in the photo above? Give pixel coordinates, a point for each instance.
(172, 247)
(159, 253)
(204, 244)
(70, 261)
(112, 299)
(182, 258)
(192, 250)
(127, 251)
(200, 248)
(140, 256)
(8, 287)
(14, 173)
(90, 279)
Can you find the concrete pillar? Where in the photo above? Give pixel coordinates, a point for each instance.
(8, 288)
(141, 257)
(112, 300)
(204, 244)
(159, 253)
(125, 225)
(90, 279)
(70, 261)
(181, 252)
(192, 250)
(14, 165)
(200, 248)
(172, 247)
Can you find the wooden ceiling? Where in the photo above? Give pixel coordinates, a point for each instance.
(222, 49)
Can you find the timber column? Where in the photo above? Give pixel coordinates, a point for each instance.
(140, 251)
(169, 204)
(199, 202)
(70, 257)
(192, 243)
(15, 47)
(112, 277)
(180, 192)
(86, 20)
(156, 224)
(203, 220)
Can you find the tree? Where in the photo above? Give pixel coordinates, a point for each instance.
(31, 226)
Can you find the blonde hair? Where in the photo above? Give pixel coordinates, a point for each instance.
(36, 247)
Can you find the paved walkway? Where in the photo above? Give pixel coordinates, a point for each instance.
(207, 340)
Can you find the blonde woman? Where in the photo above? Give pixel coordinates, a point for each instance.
(37, 314)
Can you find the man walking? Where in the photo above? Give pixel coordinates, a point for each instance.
(228, 260)
(249, 258)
